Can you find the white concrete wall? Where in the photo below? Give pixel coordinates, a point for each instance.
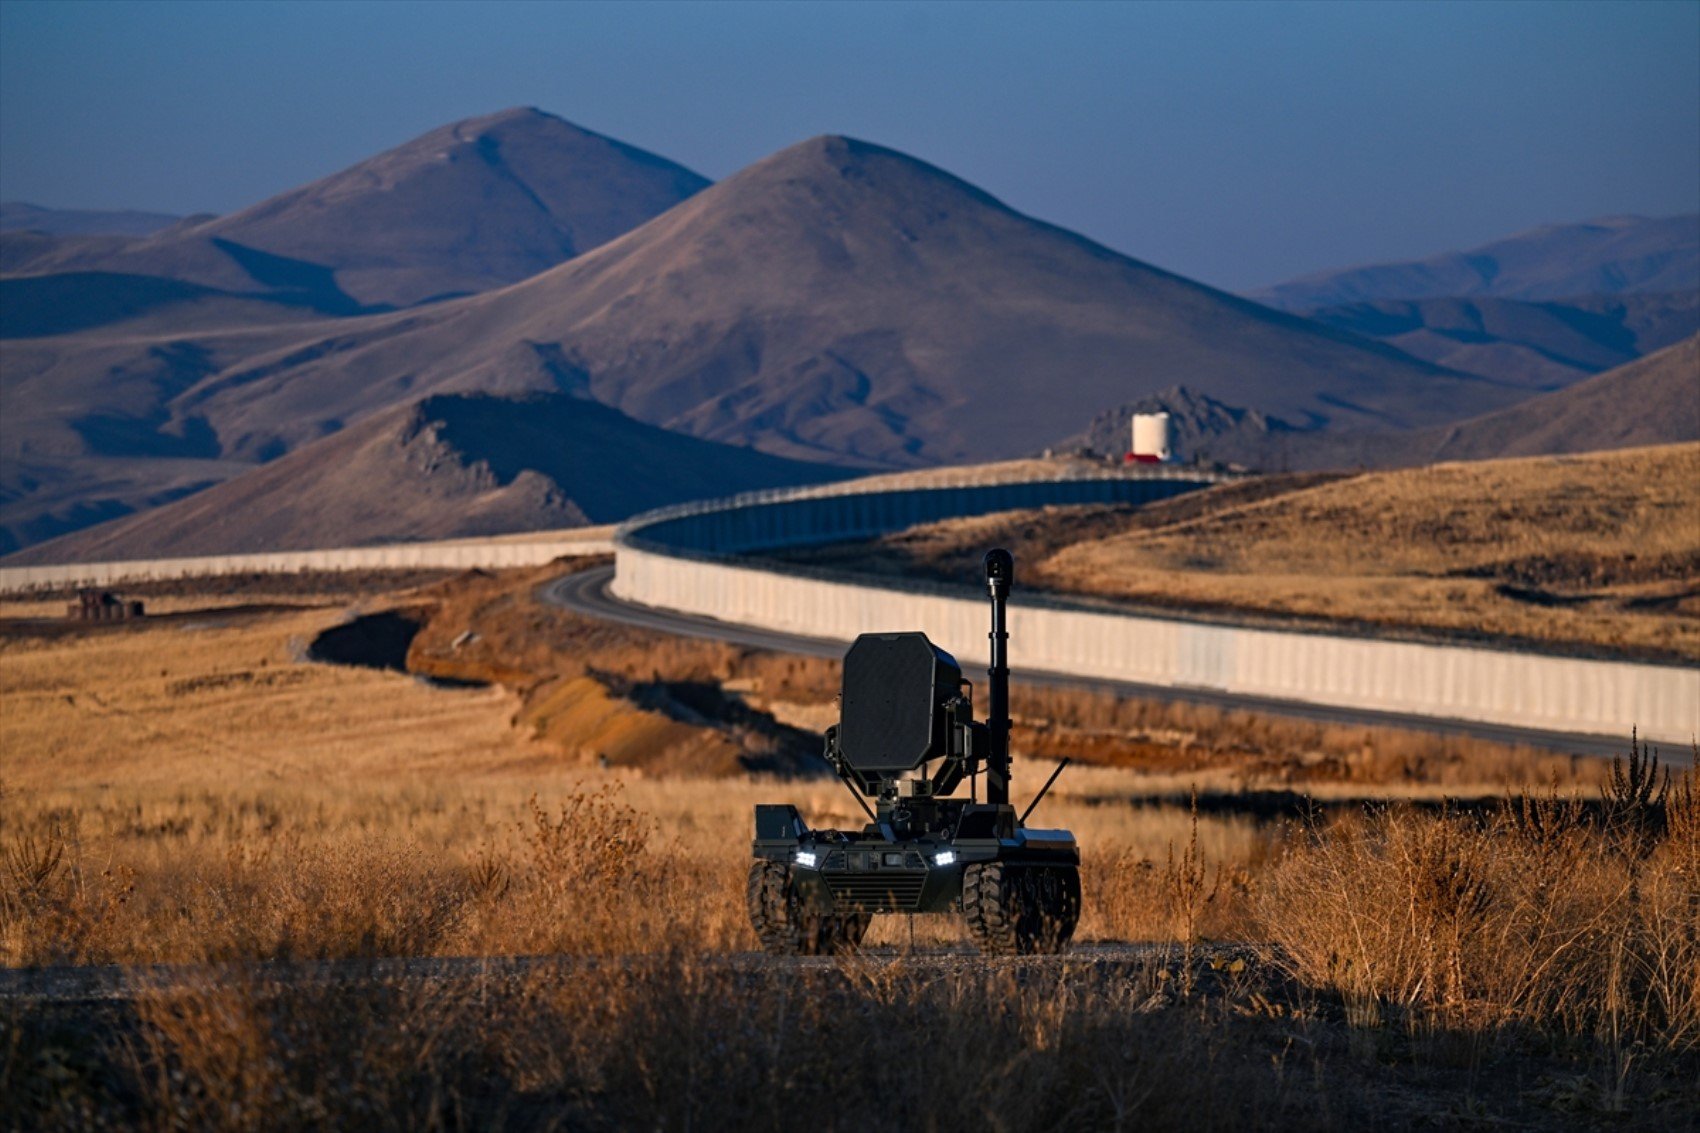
(1452, 682)
(457, 554)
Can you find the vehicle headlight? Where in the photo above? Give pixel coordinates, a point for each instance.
(806, 859)
(945, 857)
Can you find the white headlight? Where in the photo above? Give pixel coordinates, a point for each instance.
(806, 859)
(944, 857)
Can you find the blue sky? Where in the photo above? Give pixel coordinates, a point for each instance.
(1235, 143)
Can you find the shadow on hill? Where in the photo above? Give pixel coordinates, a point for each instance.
(295, 282)
(42, 306)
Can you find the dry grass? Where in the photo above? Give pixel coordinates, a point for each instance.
(1545, 915)
(1600, 550)
(1443, 960)
(201, 792)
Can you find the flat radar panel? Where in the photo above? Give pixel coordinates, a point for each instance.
(894, 685)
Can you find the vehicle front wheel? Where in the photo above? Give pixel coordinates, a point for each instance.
(785, 926)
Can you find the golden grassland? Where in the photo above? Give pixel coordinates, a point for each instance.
(162, 753)
(1600, 550)
(196, 790)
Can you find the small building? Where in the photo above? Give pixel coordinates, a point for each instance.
(1153, 439)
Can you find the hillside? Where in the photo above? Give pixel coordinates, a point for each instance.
(1541, 346)
(469, 206)
(1598, 552)
(440, 468)
(1612, 255)
(1654, 400)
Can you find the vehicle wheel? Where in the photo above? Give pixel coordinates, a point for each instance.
(989, 907)
(785, 927)
(1052, 909)
(1020, 910)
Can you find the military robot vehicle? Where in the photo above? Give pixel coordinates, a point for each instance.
(907, 739)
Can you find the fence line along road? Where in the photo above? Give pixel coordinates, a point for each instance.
(688, 560)
(453, 554)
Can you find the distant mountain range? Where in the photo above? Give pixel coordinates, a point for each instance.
(838, 303)
(1610, 256)
(1538, 345)
(20, 215)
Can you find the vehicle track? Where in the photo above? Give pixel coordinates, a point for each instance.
(586, 592)
(120, 983)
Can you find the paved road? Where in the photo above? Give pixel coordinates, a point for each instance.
(586, 592)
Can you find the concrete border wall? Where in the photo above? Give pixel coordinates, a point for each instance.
(685, 560)
(456, 554)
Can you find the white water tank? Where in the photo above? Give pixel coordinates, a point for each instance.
(1152, 438)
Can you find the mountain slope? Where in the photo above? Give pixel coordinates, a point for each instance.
(467, 207)
(1613, 255)
(1538, 345)
(440, 468)
(1652, 401)
(842, 301)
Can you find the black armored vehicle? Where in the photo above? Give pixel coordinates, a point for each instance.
(907, 739)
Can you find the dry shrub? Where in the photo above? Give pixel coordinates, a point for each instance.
(1548, 914)
(51, 911)
(366, 896)
(583, 878)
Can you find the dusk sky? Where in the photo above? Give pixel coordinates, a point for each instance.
(1239, 144)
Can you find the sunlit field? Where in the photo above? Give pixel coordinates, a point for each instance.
(197, 791)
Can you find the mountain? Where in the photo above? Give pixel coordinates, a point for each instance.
(1538, 345)
(19, 215)
(440, 468)
(837, 301)
(1610, 256)
(465, 208)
